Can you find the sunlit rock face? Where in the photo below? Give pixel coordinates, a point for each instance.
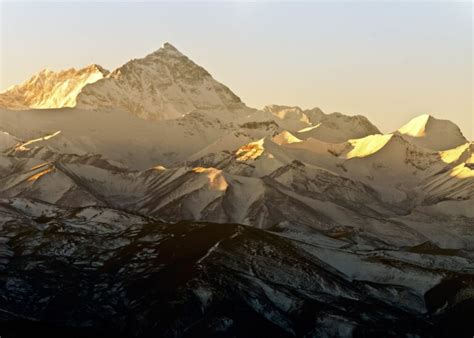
(163, 85)
(49, 89)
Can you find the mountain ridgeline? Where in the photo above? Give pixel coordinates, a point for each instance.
(151, 201)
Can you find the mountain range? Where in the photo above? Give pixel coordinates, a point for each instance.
(184, 212)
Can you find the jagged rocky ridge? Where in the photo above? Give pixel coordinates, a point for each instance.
(381, 225)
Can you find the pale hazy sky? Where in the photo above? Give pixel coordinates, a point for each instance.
(389, 61)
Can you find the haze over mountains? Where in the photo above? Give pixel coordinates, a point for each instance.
(380, 221)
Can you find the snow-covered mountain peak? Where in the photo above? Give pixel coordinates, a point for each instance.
(96, 68)
(308, 116)
(389, 151)
(176, 64)
(417, 126)
(368, 145)
(50, 89)
(163, 85)
(338, 128)
(432, 133)
(392, 153)
(166, 54)
(43, 72)
(281, 110)
(169, 49)
(169, 46)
